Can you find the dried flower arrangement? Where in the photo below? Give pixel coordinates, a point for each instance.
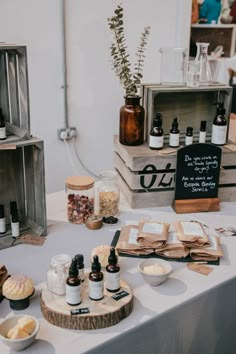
(120, 58)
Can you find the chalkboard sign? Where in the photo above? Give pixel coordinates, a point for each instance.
(197, 171)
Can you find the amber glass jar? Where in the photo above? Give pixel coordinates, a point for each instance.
(80, 198)
(132, 122)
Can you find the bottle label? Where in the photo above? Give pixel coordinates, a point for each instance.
(219, 134)
(156, 141)
(174, 140)
(3, 133)
(15, 229)
(202, 137)
(188, 140)
(73, 296)
(113, 281)
(96, 289)
(2, 225)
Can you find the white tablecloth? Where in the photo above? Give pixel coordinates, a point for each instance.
(189, 314)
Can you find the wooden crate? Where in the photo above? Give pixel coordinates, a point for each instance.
(147, 179)
(215, 35)
(22, 180)
(14, 91)
(190, 105)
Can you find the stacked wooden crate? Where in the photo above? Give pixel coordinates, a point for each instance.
(147, 177)
(22, 176)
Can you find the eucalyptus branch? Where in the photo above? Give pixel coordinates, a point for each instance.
(120, 57)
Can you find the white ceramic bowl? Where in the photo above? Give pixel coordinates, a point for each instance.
(155, 279)
(17, 344)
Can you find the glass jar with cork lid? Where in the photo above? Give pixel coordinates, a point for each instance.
(108, 194)
(80, 198)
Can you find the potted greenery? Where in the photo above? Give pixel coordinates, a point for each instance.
(131, 114)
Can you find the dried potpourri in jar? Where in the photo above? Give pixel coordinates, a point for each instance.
(80, 198)
(109, 194)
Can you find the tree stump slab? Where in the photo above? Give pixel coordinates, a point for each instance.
(103, 313)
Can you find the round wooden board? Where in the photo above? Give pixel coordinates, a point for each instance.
(104, 313)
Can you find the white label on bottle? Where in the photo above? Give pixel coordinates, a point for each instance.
(156, 141)
(174, 140)
(73, 294)
(192, 229)
(2, 225)
(219, 134)
(3, 133)
(188, 140)
(96, 289)
(112, 281)
(153, 228)
(202, 137)
(15, 229)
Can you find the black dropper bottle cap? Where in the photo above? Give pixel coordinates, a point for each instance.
(203, 126)
(2, 120)
(112, 259)
(73, 271)
(189, 131)
(13, 207)
(2, 214)
(79, 259)
(96, 266)
(221, 109)
(175, 123)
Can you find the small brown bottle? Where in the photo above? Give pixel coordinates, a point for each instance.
(112, 272)
(96, 286)
(156, 136)
(73, 290)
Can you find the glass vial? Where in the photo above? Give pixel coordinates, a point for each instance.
(189, 136)
(80, 265)
(109, 194)
(2, 126)
(58, 273)
(202, 133)
(73, 291)
(96, 283)
(112, 272)
(174, 134)
(219, 127)
(2, 220)
(80, 198)
(156, 136)
(15, 225)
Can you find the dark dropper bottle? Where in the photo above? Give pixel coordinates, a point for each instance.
(174, 134)
(156, 137)
(112, 272)
(73, 296)
(96, 286)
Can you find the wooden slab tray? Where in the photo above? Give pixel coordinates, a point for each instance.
(104, 313)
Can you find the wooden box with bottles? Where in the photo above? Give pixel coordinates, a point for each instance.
(190, 105)
(14, 91)
(147, 177)
(22, 180)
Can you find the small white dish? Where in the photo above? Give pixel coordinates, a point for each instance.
(155, 279)
(17, 344)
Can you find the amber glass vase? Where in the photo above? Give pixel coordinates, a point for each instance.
(132, 122)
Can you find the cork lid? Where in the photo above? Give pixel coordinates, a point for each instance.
(79, 182)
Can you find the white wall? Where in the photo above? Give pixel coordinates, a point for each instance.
(94, 93)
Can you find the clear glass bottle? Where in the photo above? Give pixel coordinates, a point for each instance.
(58, 273)
(109, 194)
(80, 198)
(204, 71)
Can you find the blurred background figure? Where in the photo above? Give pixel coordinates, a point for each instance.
(228, 12)
(195, 12)
(209, 11)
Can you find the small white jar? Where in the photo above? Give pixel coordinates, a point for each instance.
(58, 273)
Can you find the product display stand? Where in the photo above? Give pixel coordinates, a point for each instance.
(196, 205)
(103, 313)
